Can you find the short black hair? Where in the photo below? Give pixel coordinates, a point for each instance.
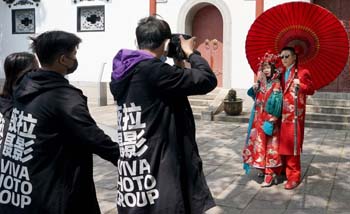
(51, 44)
(288, 48)
(14, 66)
(151, 32)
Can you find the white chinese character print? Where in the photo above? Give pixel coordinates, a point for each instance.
(20, 138)
(130, 131)
(2, 125)
(13, 121)
(8, 145)
(18, 148)
(25, 125)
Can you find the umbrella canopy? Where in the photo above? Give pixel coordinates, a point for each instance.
(317, 35)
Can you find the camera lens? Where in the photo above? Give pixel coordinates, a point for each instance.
(175, 50)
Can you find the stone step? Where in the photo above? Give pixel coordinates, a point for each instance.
(323, 110)
(197, 116)
(199, 102)
(331, 95)
(327, 125)
(242, 118)
(328, 102)
(199, 109)
(328, 109)
(327, 117)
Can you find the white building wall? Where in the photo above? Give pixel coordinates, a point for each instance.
(121, 21)
(9, 42)
(96, 48)
(271, 3)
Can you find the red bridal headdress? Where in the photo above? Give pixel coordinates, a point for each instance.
(272, 59)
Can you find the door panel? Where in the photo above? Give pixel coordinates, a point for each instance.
(208, 28)
(339, 8)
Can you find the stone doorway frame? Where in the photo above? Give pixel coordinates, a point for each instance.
(184, 24)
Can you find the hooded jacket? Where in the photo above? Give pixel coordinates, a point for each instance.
(160, 170)
(46, 163)
(5, 108)
(5, 114)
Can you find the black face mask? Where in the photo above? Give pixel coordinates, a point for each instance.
(74, 66)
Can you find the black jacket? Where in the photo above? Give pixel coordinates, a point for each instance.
(161, 171)
(5, 114)
(54, 137)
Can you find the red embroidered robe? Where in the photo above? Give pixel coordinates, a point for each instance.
(262, 150)
(287, 126)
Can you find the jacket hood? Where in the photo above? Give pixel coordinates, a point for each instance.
(36, 82)
(125, 60)
(5, 104)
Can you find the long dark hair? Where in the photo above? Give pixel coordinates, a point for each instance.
(14, 66)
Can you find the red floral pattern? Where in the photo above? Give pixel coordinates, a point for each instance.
(287, 126)
(262, 150)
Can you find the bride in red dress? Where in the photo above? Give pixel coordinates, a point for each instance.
(261, 149)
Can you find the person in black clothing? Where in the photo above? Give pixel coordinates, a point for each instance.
(15, 65)
(160, 170)
(47, 155)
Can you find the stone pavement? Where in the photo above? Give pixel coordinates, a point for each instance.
(325, 187)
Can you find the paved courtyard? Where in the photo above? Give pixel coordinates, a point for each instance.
(325, 162)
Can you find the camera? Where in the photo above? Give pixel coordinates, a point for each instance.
(175, 51)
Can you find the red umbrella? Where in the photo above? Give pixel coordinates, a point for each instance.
(317, 35)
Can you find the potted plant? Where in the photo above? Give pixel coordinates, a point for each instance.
(232, 104)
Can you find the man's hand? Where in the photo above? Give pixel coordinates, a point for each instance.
(255, 86)
(187, 45)
(273, 119)
(296, 82)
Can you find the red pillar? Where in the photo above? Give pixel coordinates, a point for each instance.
(259, 9)
(152, 7)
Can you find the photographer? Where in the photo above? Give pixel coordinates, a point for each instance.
(160, 170)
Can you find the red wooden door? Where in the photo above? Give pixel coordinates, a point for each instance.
(341, 9)
(207, 26)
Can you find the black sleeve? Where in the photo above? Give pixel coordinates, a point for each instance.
(173, 80)
(79, 123)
